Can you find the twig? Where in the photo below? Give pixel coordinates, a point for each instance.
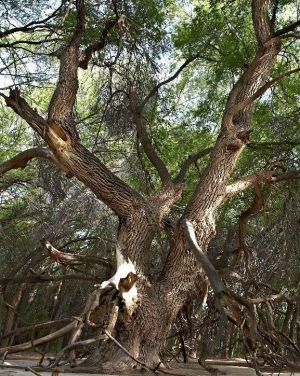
(20, 367)
(4, 356)
(154, 370)
(74, 345)
(33, 371)
(126, 351)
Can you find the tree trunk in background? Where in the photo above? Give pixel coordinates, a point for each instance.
(10, 316)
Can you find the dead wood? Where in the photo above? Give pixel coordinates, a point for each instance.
(37, 327)
(40, 341)
(20, 367)
(71, 258)
(38, 278)
(130, 355)
(75, 345)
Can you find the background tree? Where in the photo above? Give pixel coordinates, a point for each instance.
(118, 134)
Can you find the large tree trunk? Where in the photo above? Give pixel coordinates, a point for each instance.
(144, 333)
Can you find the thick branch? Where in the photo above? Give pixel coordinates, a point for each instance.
(264, 176)
(287, 29)
(243, 90)
(35, 327)
(40, 341)
(190, 159)
(88, 52)
(240, 106)
(22, 108)
(215, 281)
(262, 24)
(21, 160)
(145, 140)
(63, 99)
(77, 160)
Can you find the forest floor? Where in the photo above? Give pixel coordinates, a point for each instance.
(26, 365)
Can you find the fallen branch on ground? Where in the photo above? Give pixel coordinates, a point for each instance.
(40, 341)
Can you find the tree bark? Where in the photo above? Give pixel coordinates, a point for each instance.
(143, 333)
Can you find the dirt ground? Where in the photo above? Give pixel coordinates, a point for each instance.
(20, 365)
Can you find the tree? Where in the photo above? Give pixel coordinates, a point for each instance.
(150, 303)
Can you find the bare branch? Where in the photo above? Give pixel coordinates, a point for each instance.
(257, 144)
(264, 176)
(219, 288)
(22, 108)
(20, 367)
(274, 12)
(30, 42)
(36, 327)
(21, 160)
(40, 341)
(71, 258)
(287, 29)
(127, 352)
(145, 140)
(74, 345)
(170, 79)
(88, 52)
(240, 106)
(40, 278)
(190, 159)
(31, 25)
(216, 283)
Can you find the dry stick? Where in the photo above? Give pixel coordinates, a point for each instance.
(73, 345)
(154, 370)
(125, 351)
(33, 371)
(90, 304)
(220, 290)
(255, 207)
(40, 341)
(4, 356)
(20, 367)
(112, 317)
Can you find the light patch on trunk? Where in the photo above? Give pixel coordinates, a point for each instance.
(124, 280)
(122, 272)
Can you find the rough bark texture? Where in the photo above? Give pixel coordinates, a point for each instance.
(143, 334)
